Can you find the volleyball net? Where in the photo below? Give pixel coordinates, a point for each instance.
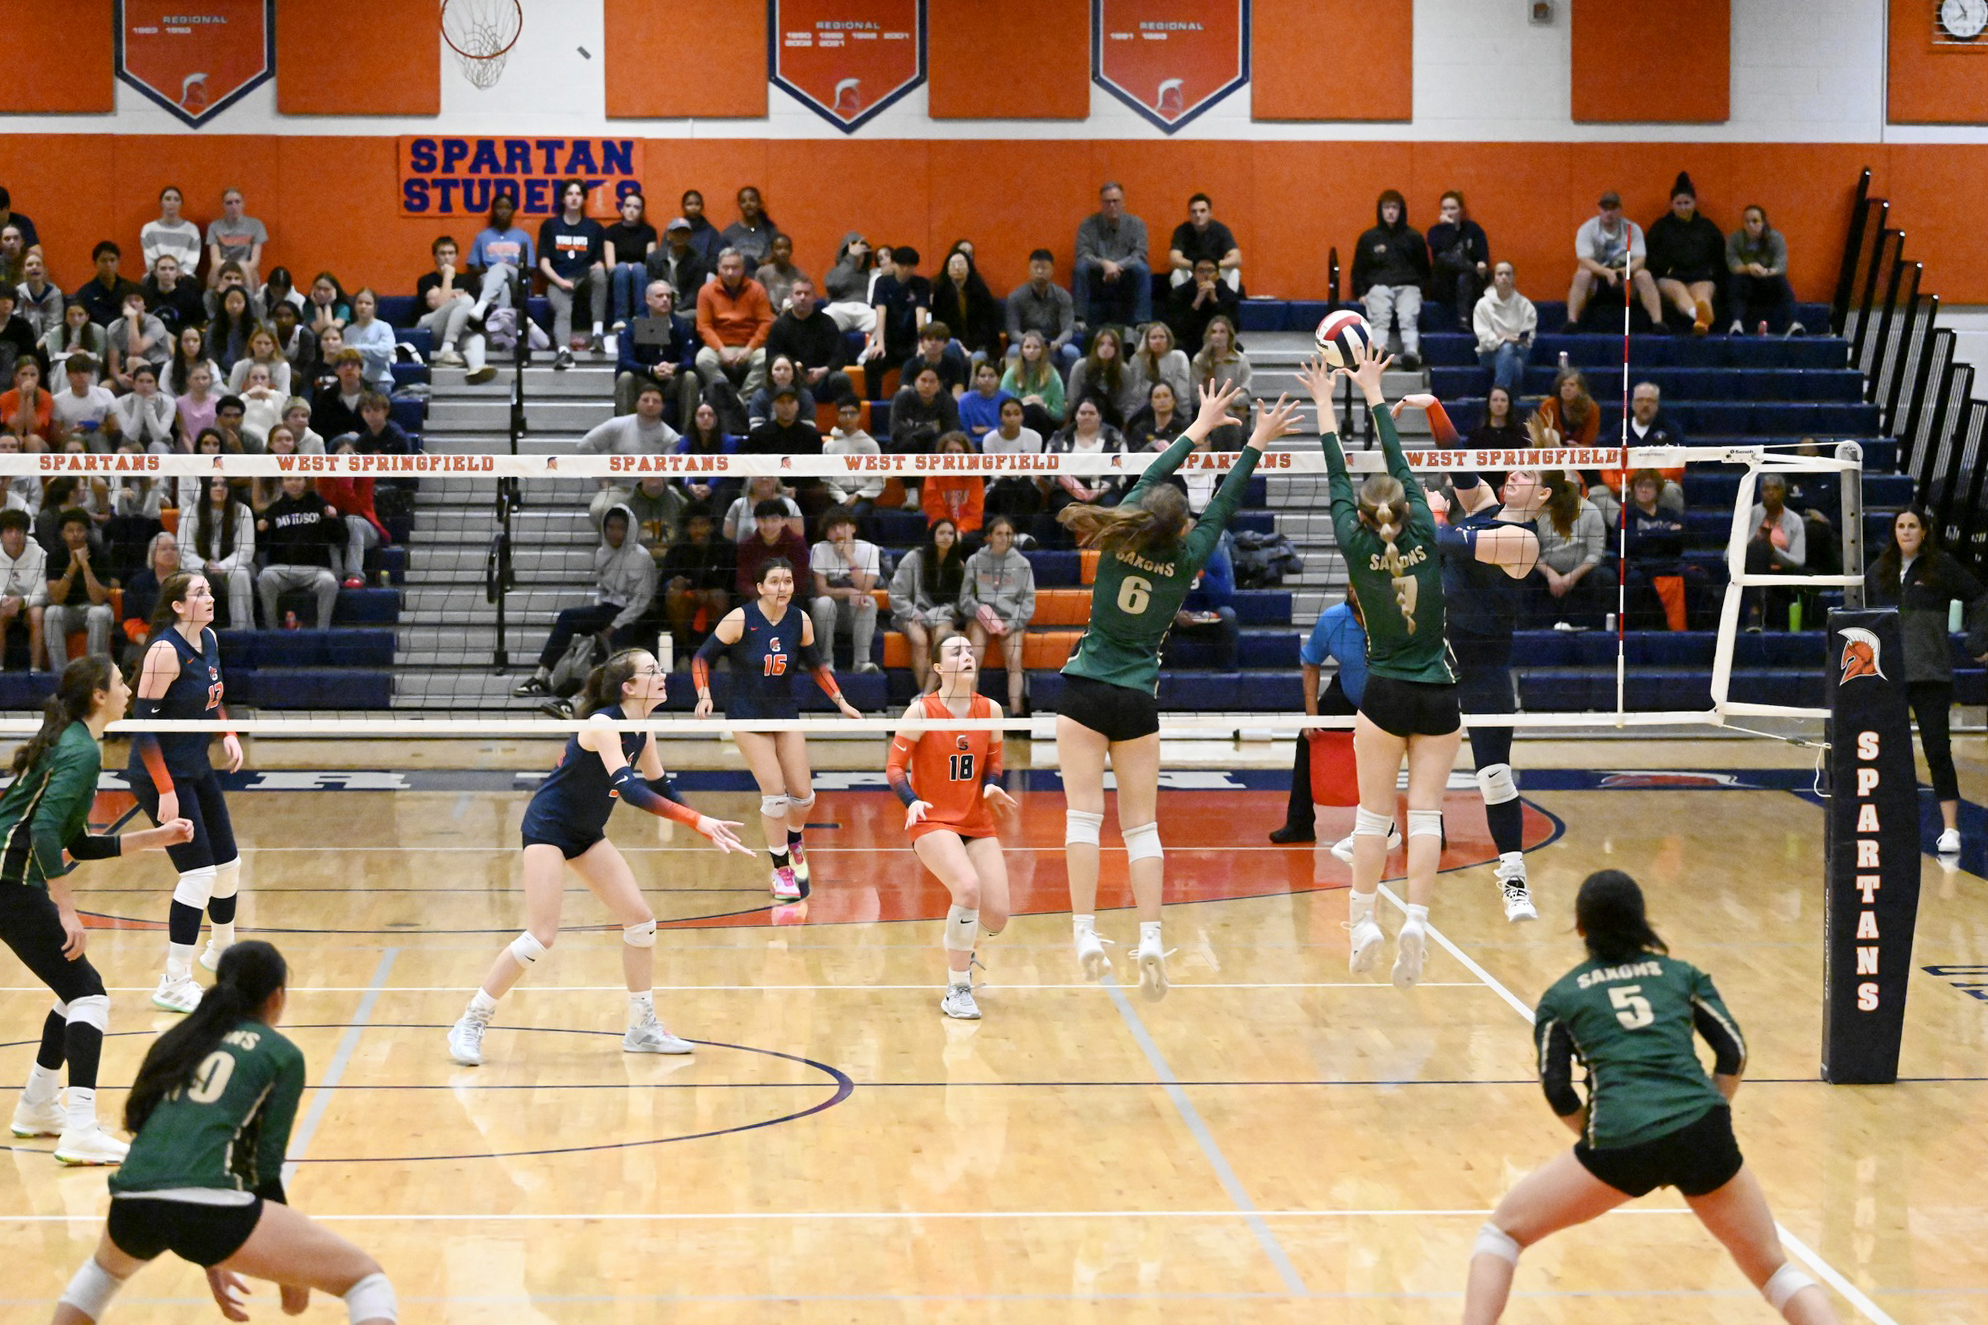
(1698, 617)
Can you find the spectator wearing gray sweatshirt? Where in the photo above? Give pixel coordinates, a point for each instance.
(640, 433)
(998, 602)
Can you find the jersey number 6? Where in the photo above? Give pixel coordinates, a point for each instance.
(1631, 1008)
(1134, 594)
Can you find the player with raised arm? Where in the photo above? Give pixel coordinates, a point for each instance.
(1484, 598)
(212, 1110)
(949, 781)
(44, 834)
(764, 640)
(180, 678)
(566, 824)
(1652, 1118)
(1150, 550)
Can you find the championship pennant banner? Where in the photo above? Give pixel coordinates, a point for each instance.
(1169, 60)
(461, 176)
(847, 60)
(48, 464)
(194, 57)
(1871, 852)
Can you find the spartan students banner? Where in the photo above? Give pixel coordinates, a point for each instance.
(1871, 852)
(846, 59)
(196, 57)
(1169, 59)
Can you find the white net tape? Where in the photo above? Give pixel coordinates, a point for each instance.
(1755, 461)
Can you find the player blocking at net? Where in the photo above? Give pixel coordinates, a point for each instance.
(1408, 708)
(1151, 549)
(566, 824)
(950, 781)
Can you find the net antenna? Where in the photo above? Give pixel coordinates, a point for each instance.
(482, 33)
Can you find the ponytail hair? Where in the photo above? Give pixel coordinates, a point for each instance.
(1383, 503)
(1609, 911)
(603, 687)
(1155, 521)
(250, 971)
(74, 697)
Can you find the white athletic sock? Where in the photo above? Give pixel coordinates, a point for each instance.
(224, 933)
(641, 1008)
(482, 1004)
(1418, 915)
(961, 979)
(179, 961)
(1084, 924)
(597, 328)
(81, 1108)
(1360, 906)
(43, 1082)
(1149, 934)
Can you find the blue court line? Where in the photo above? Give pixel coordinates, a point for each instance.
(300, 1139)
(1224, 1174)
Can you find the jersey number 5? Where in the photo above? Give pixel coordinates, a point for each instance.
(211, 1077)
(960, 768)
(1133, 594)
(1631, 1008)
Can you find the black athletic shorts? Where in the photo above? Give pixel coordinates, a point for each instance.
(32, 927)
(144, 1226)
(1410, 708)
(1117, 713)
(1697, 1158)
(571, 847)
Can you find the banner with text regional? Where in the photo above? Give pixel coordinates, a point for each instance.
(846, 59)
(195, 57)
(461, 176)
(1170, 60)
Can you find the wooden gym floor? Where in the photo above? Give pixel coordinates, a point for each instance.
(1274, 1142)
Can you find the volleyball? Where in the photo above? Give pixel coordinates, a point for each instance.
(1341, 336)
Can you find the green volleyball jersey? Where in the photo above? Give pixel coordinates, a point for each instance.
(1630, 1023)
(1404, 612)
(227, 1128)
(1136, 595)
(48, 808)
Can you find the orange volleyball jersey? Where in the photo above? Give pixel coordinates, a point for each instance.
(948, 769)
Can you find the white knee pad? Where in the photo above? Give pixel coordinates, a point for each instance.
(1143, 843)
(1495, 781)
(1081, 826)
(802, 803)
(1495, 1241)
(371, 1299)
(640, 936)
(227, 878)
(1425, 823)
(1783, 1284)
(195, 887)
(92, 1289)
(527, 949)
(773, 807)
(1368, 824)
(93, 1010)
(961, 922)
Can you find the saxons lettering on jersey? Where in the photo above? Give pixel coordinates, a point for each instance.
(1412, 557)
(1133, 559)
(1633, 971)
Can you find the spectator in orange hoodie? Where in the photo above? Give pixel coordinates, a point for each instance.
(961, 498)
(734, 317)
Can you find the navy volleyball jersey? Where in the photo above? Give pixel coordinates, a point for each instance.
(1482, 601)
(763, 662)
(194, 694)
(575, 799)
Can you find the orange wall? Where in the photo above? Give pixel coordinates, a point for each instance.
(975, 75)
(646, 40)
(386, 61)
(1529, 197)
(59, 58)
(1928, 85)
(1652, 61)
(1332, 60)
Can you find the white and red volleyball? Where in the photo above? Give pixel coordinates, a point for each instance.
(1342, 336)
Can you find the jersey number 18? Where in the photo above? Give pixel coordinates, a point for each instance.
(960, 768)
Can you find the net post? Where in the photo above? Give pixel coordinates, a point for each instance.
(1852, 498)
(1870, 850)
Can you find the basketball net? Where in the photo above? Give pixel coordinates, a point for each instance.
(481, 33)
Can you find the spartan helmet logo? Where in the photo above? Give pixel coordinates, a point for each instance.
(963, 742)
(193, 92)
(1169, 100)
(848, 97)
(1860, 655)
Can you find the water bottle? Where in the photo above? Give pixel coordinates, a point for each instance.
(666, 651)
(1609, 623)
(1563, 361)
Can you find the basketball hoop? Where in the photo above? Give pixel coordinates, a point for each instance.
(481, 33)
